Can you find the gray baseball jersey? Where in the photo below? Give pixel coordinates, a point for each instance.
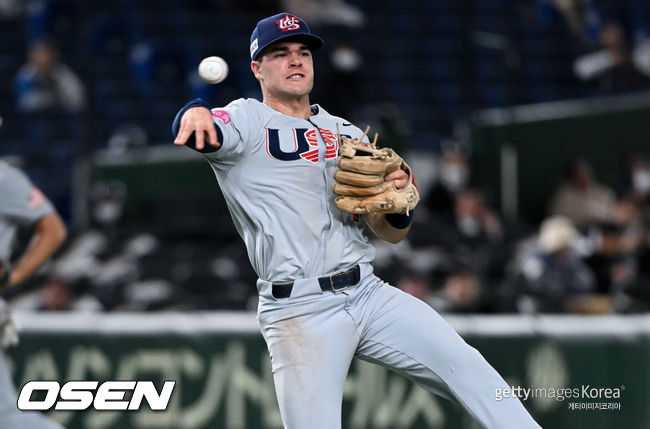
(276, 174)
(22, 205)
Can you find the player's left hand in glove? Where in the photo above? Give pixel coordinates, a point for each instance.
(359, 179)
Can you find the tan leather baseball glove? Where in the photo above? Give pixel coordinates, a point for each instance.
(359, 179)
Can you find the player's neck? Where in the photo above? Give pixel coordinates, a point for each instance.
(296, 108)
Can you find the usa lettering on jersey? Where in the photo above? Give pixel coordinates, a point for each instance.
(305, 144)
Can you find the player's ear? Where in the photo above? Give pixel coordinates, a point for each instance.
(255, 67)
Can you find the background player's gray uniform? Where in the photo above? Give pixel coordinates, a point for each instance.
(21, 204)
(276, 174)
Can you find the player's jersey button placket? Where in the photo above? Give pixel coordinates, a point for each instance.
(325, 211)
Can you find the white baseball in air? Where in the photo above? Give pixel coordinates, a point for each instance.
(213, 69)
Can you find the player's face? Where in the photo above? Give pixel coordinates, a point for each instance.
(286, 70)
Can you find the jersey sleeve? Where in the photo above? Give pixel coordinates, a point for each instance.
(235, 124)
(22, 202)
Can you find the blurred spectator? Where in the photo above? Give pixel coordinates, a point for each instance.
(461, 292)
(453, 177)
(636, 297)
(50, 98)
(474, 220)
(99, 255)
(640, 176)
(58, 295)
(108, 202)
(416, 286)
(627, 217)
(470, 236)
(549, 274)
(636, 181)
(55, 295)
(614, 268)
(581, 198)
(613, 67)
(45, 84)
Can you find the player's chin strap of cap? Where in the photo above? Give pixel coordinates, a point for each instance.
(334, 283)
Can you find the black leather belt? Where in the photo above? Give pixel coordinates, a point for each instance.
(335, 282)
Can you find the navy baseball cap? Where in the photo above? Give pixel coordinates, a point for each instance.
(282, 26)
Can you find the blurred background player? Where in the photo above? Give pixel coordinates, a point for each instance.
(23, 205)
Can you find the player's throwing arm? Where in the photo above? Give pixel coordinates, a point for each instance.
(197, 121)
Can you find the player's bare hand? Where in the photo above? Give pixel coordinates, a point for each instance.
(197, 120)
(399, 177)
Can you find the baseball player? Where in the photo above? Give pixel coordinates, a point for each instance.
(22, 204)
(320, 303)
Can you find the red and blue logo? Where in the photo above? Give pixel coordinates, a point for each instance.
(288, 23)
(305, 144)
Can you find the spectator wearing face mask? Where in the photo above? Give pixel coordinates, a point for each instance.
(636, 181)
(453, 178)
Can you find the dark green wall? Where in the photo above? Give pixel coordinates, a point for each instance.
(545, 146)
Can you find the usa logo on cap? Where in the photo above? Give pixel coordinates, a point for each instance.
(279, 27)
(288, 23)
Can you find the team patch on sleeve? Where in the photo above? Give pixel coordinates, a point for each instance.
(222, 115)
(35, 199)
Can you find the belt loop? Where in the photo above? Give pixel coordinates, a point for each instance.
(281, 290)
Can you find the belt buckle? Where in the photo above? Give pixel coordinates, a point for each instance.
(334, 289)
